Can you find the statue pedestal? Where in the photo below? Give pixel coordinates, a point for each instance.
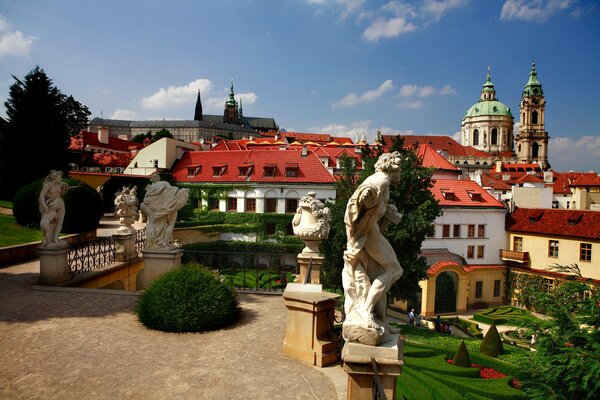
(309, 337)
(357, 364)
(125, 246)
(54, 266)
(156, 263)
(310, 262)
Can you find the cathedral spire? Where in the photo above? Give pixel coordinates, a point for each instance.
(198, 110)
(533, 87)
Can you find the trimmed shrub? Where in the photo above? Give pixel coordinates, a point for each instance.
(189, 298)
(502, 315)
(491, 345)
(82, 206)
(439, 365)
(498, 388)
(461, 358)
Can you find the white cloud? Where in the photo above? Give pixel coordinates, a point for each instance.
(425, 91)
(579, 154)
(216, 104)
(457, 136)
(352, 99)
(436, 9)
(381, 28)
(13, 43)
(124, 114)
(357, 128)
(532, 10)
(176, 96)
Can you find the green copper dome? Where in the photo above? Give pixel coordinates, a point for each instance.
(488, 107)
(533, 86)
(488, 104)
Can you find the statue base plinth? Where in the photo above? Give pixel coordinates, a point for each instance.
(357, 364)
(310, 265)
(309, 336)
(54, 266)
(156, 263)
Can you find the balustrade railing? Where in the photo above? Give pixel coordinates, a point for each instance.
(93, 255)
(140, 240)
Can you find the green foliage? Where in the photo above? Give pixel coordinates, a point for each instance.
(6, 204)
(461, 358)
(438, 363)
(246, 247)
(469, 327)
(566, 364)
(163, 133)
(501, 315)
(37, 113)
(498, 388)
(491, 345)
(256, 279)
(82, 206)
(434, 387)
(12, 233)
(139, 138)
(188, 298)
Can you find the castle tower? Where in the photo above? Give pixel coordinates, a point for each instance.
(198, 109)
(488, 124)
(231, 114)
(532, 140)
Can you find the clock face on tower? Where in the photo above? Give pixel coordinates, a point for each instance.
(535, 100)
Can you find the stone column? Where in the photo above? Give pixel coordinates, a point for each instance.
(156, 263)
(125, 247)
(359, 360)
(309, 337)
(54, 266)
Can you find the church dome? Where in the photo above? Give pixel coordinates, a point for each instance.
(488, 107)
(533, 86)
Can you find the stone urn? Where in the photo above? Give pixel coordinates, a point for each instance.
(311, 223)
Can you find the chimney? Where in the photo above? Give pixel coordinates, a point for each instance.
(103, 134)
(304, 151)
(498, 166)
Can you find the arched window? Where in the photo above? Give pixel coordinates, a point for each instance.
(494, 136)
(534, 117)
(535, 150)
(476, 137)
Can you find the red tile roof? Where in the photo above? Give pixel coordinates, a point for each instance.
(495, 182)
(432, 159)
(439, 143)
(529, 178)
(463, 193)
(438, 266)
(85, 140)
(310, 169)
(555, 222)
(586, 180)
(308, 137)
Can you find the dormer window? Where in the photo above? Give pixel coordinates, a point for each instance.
(219, 170)
(575, 219)
(246, 169)
(475, 196)
(193, 170)
(448, 194)
(270, 170)
(291, 170)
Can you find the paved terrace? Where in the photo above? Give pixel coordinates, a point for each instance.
(89, 345)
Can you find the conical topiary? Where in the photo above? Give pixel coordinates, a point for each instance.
(491, 345)
(461, 358)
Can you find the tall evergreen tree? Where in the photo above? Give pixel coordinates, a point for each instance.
(35, 139)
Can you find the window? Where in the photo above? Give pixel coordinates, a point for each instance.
(155, 163)
(219, 170)
(553, 248)
(471, 231)
(232, 204)
(246, 169)
(534, 117)
(250, 205)
(270, 170)
(291, 170)
(470, 251)
(517, 243)
(480, 231)
(270, 205)
(548, 284)
(494, 136)
(480, 252)
(476, 137)
(213, 203)
(446, 231)
(585, 252)
(291, 205)
(478, 289)
(193, 170)
(497, 286)
(456, 231)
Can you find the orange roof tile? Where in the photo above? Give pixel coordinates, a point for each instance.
(555, 222)
(463, 193)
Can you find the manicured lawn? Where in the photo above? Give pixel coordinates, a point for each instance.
(6, 204)
(503, 315)
(12, 233)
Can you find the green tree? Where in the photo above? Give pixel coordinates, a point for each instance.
(139, 138)
(40, 120)
(161, 134)
(566, 364)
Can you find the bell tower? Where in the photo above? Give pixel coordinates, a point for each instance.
(531, 144)
(231, 114)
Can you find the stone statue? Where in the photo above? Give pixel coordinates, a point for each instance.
(311, 222)
(161, 203)
(126, 208)
(52, 208)
(370, 263)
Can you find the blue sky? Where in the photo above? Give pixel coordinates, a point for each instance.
(337, 66)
